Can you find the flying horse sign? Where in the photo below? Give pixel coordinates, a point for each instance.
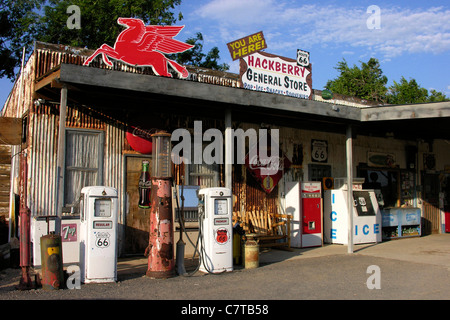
(145, 46)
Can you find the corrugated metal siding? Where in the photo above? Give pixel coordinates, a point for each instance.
(21, 95)
(43, 135)
(43, 131)
(113, 161)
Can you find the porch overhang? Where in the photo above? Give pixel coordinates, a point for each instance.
(95, 85)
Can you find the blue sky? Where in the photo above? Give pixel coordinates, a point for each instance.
(413, 39)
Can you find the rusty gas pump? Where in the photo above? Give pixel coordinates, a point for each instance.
(24, 214)
(160, 250)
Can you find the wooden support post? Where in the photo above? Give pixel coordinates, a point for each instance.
(61, 160)
(228, 150)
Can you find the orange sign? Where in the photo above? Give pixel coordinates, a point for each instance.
(247, 45)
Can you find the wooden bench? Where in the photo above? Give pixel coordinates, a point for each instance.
(268, 228)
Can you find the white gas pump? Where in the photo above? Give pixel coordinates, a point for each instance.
(98, 234)
(216, 232)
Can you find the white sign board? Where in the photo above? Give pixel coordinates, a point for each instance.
(273, 74)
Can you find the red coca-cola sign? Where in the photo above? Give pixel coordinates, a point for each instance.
(140, 140)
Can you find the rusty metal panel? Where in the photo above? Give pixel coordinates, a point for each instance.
(113, 161)
(43, 132)
(21, 96)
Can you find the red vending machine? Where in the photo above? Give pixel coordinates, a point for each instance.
(312, 227)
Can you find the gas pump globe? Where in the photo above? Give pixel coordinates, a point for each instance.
(160, 250)
(161, 150)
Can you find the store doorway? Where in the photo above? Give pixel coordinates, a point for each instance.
(430, 203)
(137, 220)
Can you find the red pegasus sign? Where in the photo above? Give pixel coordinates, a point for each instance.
(145, 46)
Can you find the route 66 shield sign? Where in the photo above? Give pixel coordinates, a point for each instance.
(319, 150)
(302, 58)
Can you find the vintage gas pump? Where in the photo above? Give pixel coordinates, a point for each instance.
(98, 234)
(216, 233)
(160, 250)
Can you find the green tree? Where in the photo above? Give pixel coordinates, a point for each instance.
(23, 21)
(365, 82)
(437, 96)
(99, 20)
(196, 57)
(405, 92)
(18, 24)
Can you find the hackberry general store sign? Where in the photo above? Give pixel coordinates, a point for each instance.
(266, 72)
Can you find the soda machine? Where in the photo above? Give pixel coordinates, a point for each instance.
(304, 203)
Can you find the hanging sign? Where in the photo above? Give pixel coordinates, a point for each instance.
(259, 166)
(247, 45)
(145, 46)
(266, 72)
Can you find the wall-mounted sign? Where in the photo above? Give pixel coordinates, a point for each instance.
(247, 45)
(380, 159)
(69, 232)
(302, 58)
(277, 165)
(274, 74)
(319, 150)
(145, 46)
(11, 133)
(140, 140)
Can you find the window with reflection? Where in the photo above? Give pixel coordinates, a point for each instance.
(385, 180)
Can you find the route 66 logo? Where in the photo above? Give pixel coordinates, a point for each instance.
(102, 239)
(319, 151)
(302, 58)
